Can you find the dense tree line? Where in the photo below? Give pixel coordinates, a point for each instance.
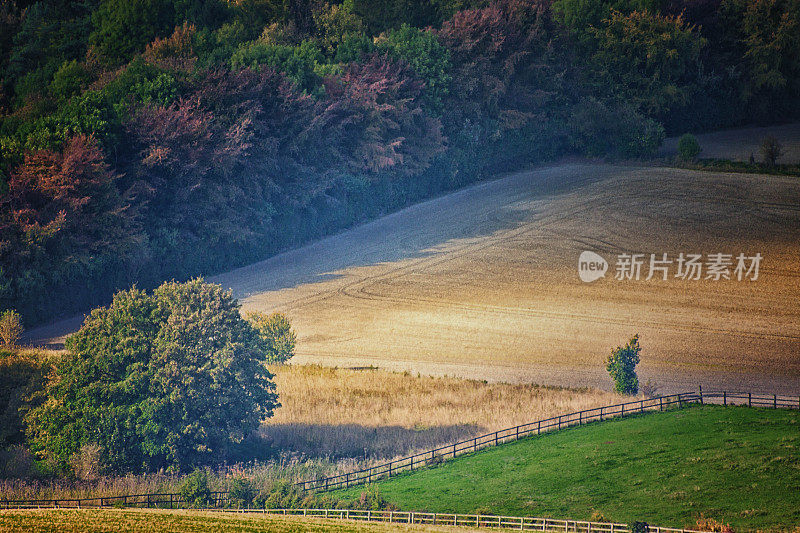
(148, 139)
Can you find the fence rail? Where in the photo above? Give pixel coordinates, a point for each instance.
(450, 451)
(431, 457)
(523, 523)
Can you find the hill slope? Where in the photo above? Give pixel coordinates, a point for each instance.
(738, 465)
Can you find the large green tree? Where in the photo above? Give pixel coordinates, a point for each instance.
(170, 380)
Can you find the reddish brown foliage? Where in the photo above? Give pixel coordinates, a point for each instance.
(67, 202)
(505, 69)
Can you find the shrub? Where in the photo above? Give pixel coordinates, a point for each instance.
(598, 128)
(283, 495)
(10, 327)
(372, 499)
(86, 463)
(688, 147)
(241, 492)
(23, 378)
(771, 150)
(195, 491)
(621, 364)
(640, 527)
(276, 331)
(169, 380)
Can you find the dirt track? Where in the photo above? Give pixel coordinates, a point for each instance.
(483, 282)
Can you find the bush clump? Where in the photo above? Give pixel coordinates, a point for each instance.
(688, 147)
(241, 492)
(621, 364)
(771, 150)
(195, 491)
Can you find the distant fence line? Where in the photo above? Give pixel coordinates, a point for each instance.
(219, 499)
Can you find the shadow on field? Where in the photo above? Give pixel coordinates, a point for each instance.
(356, 441)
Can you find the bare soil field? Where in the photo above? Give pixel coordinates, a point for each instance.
(483, 283)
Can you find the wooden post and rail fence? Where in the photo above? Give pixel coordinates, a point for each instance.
(220, 499)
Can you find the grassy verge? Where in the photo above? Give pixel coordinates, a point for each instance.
(726, 165)
(146, 521)
(736, 465)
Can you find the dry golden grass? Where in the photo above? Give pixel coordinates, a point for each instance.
(372, 413)
(152, 521)
(338, 420)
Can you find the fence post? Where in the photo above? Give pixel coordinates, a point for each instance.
(701, 394)
(641, 406)
(749, 399)
(580, 418)
(725, 398)
(495, 438)
(601, 413)
(775, 405)
(539, 428)
(661, 403)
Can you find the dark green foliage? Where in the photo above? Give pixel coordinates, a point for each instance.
(169, 380)
(598, 129)
(241, 492)
(640, 527)
(299, 63)
(621, 364)
(195, 491)
(688, 147)
(429, 60)
(283, 495)
(123, 27)
(647, 59)
(69, 80)
(49, 34)
(23, 378)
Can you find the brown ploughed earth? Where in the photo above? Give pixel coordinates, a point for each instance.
(483, 282)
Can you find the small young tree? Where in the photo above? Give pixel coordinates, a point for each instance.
(621, 364)
(688, 147)
(771, 150)
(276, 331)
(10, 327)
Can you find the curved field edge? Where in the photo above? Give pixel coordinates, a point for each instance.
(162, 521)
(737, 465)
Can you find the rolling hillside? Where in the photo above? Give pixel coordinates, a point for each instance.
(736, 465)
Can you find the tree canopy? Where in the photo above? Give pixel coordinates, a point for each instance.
(171, 379)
